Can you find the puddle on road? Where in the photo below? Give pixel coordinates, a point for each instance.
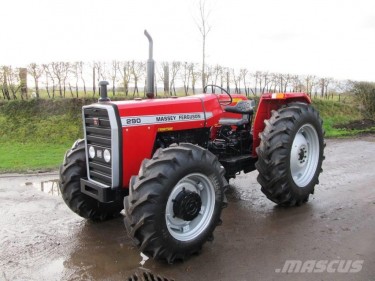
(49, 186)
(103, 251)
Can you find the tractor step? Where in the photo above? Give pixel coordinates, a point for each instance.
(100, 193)
(236, 164)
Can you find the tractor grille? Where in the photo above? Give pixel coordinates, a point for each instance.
(98, 136)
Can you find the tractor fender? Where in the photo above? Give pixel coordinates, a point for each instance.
(267, 103)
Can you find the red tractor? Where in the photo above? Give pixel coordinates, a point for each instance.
(167, 162)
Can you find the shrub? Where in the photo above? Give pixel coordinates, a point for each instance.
(365, 91)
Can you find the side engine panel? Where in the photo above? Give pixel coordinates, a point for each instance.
(150, 124)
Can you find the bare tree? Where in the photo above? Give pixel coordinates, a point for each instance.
(60, 71)
(216, 74)
(98, 70)
(194, 76)
(13, 81)
(222, 76)
(93, 79)
(296, 83)
(236, 80)
(344, 86)
(36, 71)
(324, 84)
(310, 83)
(113, 74)
(57, 72)
(204, 29)
(65, 68)
(274, 82)
(329, 81)
(287, 80)
(315, 87)
(80, 67)
(74, 70)
(243, 74)
(257, 79)
(49, 75)
(125, 73)
(185, 76)
(266, 80)
(279, 82)
(208, 74)
(138, 70)
(163, 71)
(227, 79)
(4, 82)
(176, 66)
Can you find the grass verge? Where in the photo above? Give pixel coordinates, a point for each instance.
(28, 157)
(336, 115)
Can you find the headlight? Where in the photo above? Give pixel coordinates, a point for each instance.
(92, 152)
(107, 155)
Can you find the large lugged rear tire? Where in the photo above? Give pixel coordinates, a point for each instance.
(290, 154)
(175, 202)
(72, 170)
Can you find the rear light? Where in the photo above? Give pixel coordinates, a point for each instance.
(278, 96)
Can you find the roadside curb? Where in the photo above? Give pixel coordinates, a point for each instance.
(15, 175)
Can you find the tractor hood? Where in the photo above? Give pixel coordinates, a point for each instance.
(182, 112)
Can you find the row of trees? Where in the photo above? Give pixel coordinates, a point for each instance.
(61, 79)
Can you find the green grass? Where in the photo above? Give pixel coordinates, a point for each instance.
(335, 113)
(34, 135)
(27, 157)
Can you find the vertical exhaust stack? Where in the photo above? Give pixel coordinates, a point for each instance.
(150, 87)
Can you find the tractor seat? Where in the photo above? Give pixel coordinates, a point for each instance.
(242, 107)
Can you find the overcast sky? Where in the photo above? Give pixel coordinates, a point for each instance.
(333, 38)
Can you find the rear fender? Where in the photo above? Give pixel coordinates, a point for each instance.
(267, 103)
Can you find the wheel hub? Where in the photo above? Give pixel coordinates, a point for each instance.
(304, 156)
(190, 207)
(299, 150)
(187, 205)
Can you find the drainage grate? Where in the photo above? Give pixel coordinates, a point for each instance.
(146, 275)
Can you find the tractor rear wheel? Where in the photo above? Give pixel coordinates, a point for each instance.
(175, 202)
(290, 154)
(71, 172)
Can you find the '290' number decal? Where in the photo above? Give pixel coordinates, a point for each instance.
(133, 121)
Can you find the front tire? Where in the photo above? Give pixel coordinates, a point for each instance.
(290, 154)
(71, 172)
(175, 202)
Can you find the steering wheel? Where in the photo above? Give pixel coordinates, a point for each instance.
(222, 89)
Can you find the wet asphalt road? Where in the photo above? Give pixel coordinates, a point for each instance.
(41, 239)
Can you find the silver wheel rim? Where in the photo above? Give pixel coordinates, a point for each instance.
(187, 230)
(304, 155)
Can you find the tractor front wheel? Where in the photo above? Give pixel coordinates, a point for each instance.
(290, 154)
(175, 202)
(71, 171)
